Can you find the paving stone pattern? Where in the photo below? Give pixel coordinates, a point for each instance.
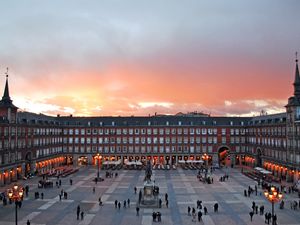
(182, 187)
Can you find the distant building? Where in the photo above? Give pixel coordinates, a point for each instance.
(35, 143)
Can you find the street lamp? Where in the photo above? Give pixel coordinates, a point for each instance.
(273, 196)
(15, 194)
(98, 156)
(205, 157)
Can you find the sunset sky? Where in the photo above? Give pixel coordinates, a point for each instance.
(101, 58)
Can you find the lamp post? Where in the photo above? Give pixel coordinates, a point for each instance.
(98, 157)
(273, 196)
(15, 194)
(205, 157)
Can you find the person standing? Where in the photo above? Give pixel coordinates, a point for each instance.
(128, 203)
(205, 210)
(82, 215)
(28, 222)
(116, 203)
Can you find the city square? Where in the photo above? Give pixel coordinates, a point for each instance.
(139, 113)
(182, 187)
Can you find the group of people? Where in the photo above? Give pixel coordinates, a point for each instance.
(247, 193)
(192, 211)
(79, 213)
(63, 194)
(125, 204)
(156, 216)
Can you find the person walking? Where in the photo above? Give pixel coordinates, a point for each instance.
(167, 204)
(28, 222)
(124, 204)
(128, 203)
(205, 210)
(199, 216)
(82, 215)
(100, 201)
(116, 203)
(137, 211)
(251, 215)
(189, 210)
(78, 212)
(119, 205)
(135, 189)
(94, 189)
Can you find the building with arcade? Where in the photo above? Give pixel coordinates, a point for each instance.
(36, 143)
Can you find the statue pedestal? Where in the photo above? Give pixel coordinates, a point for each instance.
(149, 199)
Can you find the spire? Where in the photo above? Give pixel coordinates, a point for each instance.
(6, 97)
(297, 79)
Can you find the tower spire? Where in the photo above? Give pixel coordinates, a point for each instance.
(6, 96)
(297, 79)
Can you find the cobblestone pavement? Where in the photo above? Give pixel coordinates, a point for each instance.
(182, 187)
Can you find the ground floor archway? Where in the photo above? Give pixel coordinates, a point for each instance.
(224, 156)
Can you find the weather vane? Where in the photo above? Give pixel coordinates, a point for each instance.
(6, 73)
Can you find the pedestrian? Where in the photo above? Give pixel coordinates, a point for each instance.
(269, 217)
(71, 181)
(124, 205)
(199, 216)
(135, 189)
(128, 203)
(167, 204)
(42, 195)
(154, 216)
(100, 201)
(116, 203)
(119, 205)
(82, 215)
(274, 220)
(28, 222)
(205, 210)
(158, 216)
(78, 212)
(194, 216)
(266, 218)
(59, 182)
(189, 210)
(216, 206)
(94, 189)
(59, 197)
(137, 211)
(251, 215)
(166, 197)
(160, 202)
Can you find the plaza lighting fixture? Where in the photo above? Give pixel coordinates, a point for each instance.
(98, 157)
(273, 196)
(15, 194)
